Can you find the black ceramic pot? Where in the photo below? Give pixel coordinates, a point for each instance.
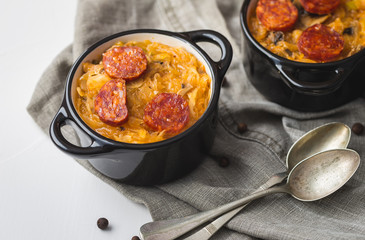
(153, 163)
(296, 85)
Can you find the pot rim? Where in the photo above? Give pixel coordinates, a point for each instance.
(285, 61)
(96, 137)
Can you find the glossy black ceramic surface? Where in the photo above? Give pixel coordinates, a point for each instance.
(296, 85)
(153, 163)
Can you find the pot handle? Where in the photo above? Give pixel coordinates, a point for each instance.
(316, 88)
(219, 40)
(61, 119)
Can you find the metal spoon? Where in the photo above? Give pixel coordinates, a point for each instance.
(335, 135)
(329, 136)
(311, 179)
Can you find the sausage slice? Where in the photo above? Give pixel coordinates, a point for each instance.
(125, 62)
(321, 43)
(277, 15)
(111, 103)
(167, 111)
(320, 6)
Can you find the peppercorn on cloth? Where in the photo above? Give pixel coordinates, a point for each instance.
(254, 155)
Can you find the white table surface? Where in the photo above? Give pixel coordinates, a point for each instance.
(45, 194)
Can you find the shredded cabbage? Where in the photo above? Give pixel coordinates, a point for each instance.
(172, 70)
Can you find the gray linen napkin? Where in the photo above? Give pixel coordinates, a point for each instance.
(254, 155)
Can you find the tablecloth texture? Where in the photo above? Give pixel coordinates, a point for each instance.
(254, 155)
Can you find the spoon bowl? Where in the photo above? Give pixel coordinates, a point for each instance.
(329, 136)
(322, 174)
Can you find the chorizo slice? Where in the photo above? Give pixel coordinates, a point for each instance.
(111, 103)
(167, 111)
(125, 62)
(320, 43)
(320, 6)
(277, 15)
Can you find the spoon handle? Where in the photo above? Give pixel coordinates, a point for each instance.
(210, 229)
(173, 228)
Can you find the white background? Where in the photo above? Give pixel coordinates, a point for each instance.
(44, 194)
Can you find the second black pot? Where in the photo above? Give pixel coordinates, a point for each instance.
(296, 85)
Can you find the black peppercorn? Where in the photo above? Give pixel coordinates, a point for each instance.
(102, 223)
(223, 162)
(357, 128)
(225, 83)
(135, 238)
(241, 127)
